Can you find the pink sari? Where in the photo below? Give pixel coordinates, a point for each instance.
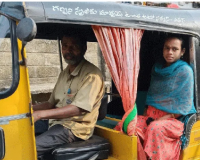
(160, 140)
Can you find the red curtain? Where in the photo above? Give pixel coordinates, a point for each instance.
(120, 48)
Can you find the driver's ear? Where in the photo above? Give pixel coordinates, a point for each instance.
(84, 49)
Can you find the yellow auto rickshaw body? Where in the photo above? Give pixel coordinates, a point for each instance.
(15, 116)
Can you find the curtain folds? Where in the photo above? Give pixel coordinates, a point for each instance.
(120, 48)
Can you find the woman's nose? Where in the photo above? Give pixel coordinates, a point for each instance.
(170, 51)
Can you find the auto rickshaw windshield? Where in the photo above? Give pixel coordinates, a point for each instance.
(4, 27)
(5, 54)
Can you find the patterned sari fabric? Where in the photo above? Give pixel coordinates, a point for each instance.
(161, 138)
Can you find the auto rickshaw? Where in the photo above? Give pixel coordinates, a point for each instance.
(20, 22)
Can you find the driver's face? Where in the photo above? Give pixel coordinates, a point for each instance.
(72, 50)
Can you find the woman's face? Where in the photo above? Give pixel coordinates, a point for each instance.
(172, 50)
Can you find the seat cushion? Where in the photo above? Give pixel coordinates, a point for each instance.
(94, 148)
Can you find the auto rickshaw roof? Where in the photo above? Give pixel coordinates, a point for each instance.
(106, 14)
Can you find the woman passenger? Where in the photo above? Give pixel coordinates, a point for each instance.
(170, 96)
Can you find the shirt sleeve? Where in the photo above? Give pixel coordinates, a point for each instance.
(52, 97)
(90, 92)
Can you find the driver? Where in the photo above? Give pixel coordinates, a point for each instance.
(73, 107)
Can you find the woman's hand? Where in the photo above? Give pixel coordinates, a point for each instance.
(149, 120)
(165, 117)
(170, 115)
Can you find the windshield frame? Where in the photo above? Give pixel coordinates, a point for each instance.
(15, 64)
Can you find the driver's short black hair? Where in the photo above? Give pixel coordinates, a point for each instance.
(75, 34)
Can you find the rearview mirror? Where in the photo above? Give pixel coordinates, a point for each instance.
(26, 29)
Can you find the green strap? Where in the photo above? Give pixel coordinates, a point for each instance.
(129, 118)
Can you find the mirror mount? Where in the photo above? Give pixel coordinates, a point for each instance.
(23, 61)
(26, 32)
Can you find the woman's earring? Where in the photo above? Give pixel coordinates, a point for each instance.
(182, 56)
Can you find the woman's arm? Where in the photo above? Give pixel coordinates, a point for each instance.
(170, 115)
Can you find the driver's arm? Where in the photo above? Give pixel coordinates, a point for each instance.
(57, 113)
(43, 106)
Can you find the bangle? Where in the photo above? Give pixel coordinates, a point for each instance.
(173, 116)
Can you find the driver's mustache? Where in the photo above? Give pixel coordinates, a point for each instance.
(68, 54)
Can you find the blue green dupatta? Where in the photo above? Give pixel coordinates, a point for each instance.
(172, 88)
